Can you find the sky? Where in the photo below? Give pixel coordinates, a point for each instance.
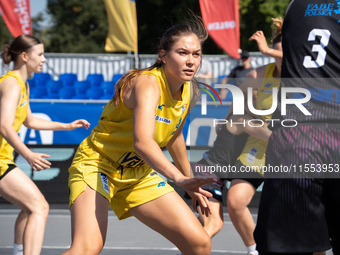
(38, 6)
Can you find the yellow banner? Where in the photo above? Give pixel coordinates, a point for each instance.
(122, 20)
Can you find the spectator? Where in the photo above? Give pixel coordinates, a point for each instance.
(204, 73)
(238, 74)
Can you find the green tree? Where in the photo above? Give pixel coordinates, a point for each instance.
(79, 26)
(156, 16)
(5, 36)
(256, 15)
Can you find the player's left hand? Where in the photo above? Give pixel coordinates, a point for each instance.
(77, 124)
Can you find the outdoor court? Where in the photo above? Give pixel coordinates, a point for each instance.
(124, 237)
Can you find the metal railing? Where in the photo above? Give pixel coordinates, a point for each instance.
(110, 64)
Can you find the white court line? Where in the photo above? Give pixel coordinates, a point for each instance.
(130, 248)
(68, 217)
(54, 211)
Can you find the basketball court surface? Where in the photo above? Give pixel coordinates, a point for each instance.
(124, 237)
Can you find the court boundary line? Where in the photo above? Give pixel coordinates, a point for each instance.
(131, 248)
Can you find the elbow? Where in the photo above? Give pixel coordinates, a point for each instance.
(4, 130)
(138, 146)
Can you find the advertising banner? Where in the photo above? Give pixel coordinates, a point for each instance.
(17, 16)
(122, 18)
(221, 18)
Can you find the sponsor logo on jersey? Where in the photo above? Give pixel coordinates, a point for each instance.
(153, 173)
(104, 181)
(267, 91)
(162, 119)
(319, 10)
(338, 10)
(177, 126)
(218, 192)
(161, 184)
(23, 103)
(251, 155)
(160, 107)
(268, 85)
(183, 108)
(130, 159)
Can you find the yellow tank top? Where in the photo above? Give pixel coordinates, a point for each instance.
(254, 151)
(265, 93)
(113, 136)
(6, 150)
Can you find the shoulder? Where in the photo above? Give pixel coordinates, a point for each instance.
(253, 78)
(10, 84)
(146, 83)
(146, 80)
(257, 72)
(10, 88)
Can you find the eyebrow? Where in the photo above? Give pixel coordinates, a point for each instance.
(188, 50)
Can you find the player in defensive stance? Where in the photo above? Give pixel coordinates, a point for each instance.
(118, 164)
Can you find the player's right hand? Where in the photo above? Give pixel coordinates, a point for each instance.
(37, 161)
(195, 184)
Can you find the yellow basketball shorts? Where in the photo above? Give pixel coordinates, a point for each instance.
(6, 168)
(124, 188)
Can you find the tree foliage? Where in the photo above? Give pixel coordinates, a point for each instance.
(80, 26)
(256, 15)
(5, 36)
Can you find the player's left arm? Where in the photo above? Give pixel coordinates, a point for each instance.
(176, 145)
(40, 124)
(178, 152)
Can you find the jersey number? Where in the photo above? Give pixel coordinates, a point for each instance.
(319, 48)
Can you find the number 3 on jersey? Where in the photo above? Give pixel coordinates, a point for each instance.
(319, 48)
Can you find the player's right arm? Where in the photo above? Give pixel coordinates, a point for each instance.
(10, 93)
(259, 37)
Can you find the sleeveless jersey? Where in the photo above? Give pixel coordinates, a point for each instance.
(311, 52)
(6, 150)
(113, 136)
(254, 151)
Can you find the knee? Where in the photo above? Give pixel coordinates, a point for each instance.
(235, 205)
(39, 206)
(86, 248)
(205, 245)
(43, 208)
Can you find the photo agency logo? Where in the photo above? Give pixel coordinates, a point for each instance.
(204, 98)
(238, 104)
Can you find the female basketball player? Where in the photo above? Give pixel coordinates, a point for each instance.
(118, 164)
(27, 53)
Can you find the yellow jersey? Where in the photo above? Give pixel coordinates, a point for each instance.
(254, 151)
(6, 150)
(113, 136)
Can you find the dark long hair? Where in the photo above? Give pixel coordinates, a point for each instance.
(169, 38)
(22, 43)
